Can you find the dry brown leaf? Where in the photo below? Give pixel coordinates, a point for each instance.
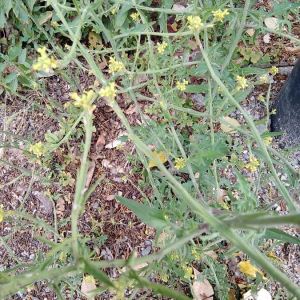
(178, 7)
(251, 32)
(291, 49)
(110, 197)
(90, 174)
(231, 121)
(272, 23)
(267, 38)
(100, 141)
(88, 285)
(131, 109)
(231, 294)
(60, 206)
(202, 290)
(212, 254)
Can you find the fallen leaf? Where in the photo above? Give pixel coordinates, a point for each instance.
(202, 290)
(88, 285)
(161, 156)
(178, 7)
(136, 267)
(231, 294)
(246, 268)
(60, 206)
(231, 121)
(100, 141)
(95, 41)
(272, 23)
(114, 144)
(131, 109)
(250, 31)
(110, 197)
(90, 174)
(267, 38)
(261, 295)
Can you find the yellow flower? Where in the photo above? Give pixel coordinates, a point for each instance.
(90, 279)
(84, 100)
(164, 277)
(241, 82)
(108, 91)
(196, 254)
(113, 11)
(181, 85)
(219, 15)
(253, 164)
(174, 256)
(179, 163)
(274, 70)
(261, 98)
(135, 17)
(37, 149)
(273, 111)
(267, 140)
(1, 213)
(161, 47)
(44, 62)
(115, 66)
(188, 272)
(194, 22)
(263, 78)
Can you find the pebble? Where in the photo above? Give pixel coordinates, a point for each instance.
(31, 256)
(146, 251)
(148, 243)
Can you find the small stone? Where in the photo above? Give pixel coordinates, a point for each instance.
(146, 251)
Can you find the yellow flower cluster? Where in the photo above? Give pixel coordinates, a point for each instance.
(194, 22)
(268, 140)
(37, 149)
(115, 66)
(179, 163)
(219, 15)
(273, 111)
(241, 82)
(174, 256)
(196, 254)
(135, 17)
(274, 70)
(188, 272)
(161, 47)
(182, 85)
(109, 91)
(261, 98)
(253, 164)
(84, 100)
(44, 62)
(1, 213)
(263, 78)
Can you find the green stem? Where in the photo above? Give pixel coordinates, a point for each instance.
(254, 131)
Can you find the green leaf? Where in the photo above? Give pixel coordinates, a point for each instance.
(22, 56)
(7, 6)
(95, 272)
(10, 77)
(30, 4)
(15, 51)
(44, 17)
(196, 88)
(153, 217)
(14, 84)
(122, 16)
(280, 235)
